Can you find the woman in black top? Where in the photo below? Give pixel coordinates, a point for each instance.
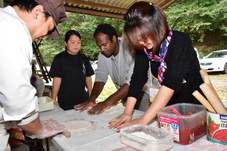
(171, 57)
(72, 73)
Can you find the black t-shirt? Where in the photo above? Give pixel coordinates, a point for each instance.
(73, 70)
(182, 63)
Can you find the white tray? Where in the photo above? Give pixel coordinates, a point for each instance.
(45, 104)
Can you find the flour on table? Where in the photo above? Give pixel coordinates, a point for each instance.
(77, 125)
(143, 135)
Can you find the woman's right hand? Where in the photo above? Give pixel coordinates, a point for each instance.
(116, 122)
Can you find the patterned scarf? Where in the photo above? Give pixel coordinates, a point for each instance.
(161, 58)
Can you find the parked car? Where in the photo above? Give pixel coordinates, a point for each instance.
(215, 61)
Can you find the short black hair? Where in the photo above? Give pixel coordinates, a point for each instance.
(70, 33)
(28, 5)
(106, 29)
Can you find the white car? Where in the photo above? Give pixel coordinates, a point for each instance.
(215, 61)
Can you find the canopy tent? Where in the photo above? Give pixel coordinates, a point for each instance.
(105, 8)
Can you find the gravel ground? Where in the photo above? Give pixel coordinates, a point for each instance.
(220, 85)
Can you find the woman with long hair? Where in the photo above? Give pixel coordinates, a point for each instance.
(170, 56)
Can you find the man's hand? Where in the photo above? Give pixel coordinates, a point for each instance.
(83, 106)
(98, 108)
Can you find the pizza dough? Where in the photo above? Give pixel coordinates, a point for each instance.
(107, 111)
(77, 125)
(90, 107)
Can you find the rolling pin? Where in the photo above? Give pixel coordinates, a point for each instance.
(205, 76)
(204, 101)
(206, 80)
(213, 99)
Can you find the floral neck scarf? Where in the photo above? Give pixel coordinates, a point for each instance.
(161, 58)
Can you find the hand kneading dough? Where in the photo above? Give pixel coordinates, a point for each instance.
(106, 110)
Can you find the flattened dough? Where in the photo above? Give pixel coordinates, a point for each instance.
(77, 125)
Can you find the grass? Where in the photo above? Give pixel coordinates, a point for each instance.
(108, 90)
(217, 75)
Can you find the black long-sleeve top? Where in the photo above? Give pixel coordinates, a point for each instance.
(182, 64)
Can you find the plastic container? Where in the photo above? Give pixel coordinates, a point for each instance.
(147, 138)
(188, 127)
(217, 128)
(45, 104)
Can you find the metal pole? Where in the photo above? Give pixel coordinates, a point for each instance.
(1, 3)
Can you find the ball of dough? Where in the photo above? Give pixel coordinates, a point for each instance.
(66, 134)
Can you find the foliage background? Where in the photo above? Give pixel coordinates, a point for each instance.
(205, 22)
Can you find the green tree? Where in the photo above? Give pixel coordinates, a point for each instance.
(85, 25)
(205, 21)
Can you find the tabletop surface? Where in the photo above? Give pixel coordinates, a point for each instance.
(99, 137)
